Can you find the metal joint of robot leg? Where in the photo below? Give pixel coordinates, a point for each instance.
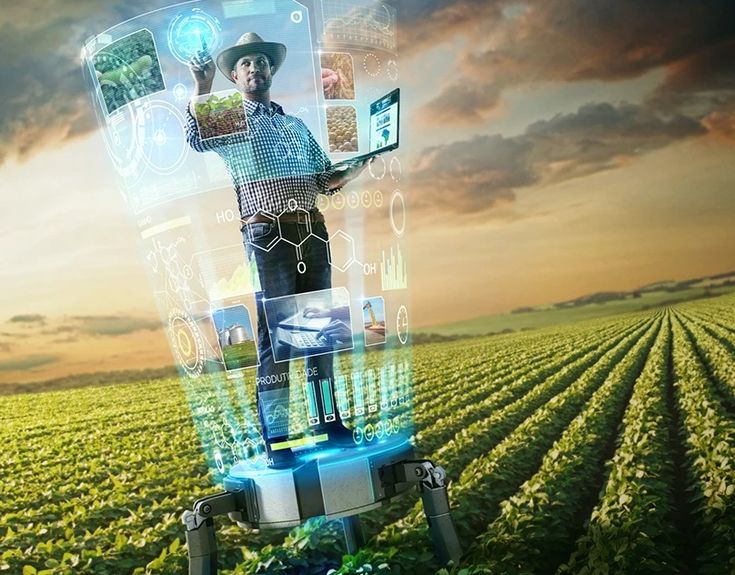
(422, 472)
(239, 505)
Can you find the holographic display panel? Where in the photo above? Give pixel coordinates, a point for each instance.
(267, 371)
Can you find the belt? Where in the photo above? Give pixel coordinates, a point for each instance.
(298, 217)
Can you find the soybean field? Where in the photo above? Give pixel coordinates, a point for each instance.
(604, 446)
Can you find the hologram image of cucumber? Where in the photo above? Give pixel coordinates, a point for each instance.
(128, 69)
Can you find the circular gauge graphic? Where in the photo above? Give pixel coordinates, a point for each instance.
(396, 170)
(338, 201)
(122, 140)
(378, 199)
(218, 462)
(378, 168)
(367, 199)
(192, 32)
(353, 200)
(402, 324)
(397, 213)
(391, 68)
(382, 19)
(181, 92)
(162, 136)
(358, 435)
(187, 342)
(371, 64)
(297, 16)
(322, 202)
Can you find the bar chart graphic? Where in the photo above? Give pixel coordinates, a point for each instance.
(393, 274)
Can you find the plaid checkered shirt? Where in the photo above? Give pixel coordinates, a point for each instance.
(276, 160)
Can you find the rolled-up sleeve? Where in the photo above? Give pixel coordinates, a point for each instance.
(193, 137)
(322, 182)
(322, 165)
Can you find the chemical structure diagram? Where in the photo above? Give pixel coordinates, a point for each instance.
(339, 239)
(178, 274)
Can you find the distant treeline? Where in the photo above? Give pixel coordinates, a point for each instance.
(663, 286)
(421, 338)
(89, 379)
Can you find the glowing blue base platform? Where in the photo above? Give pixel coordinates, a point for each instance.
(335, 482)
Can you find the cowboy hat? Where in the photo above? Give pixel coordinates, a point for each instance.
(250, 43)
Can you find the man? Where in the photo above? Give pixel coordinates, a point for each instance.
(277, 167)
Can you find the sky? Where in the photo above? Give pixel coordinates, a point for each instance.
(555, 148)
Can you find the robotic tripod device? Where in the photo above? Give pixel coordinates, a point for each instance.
(328, 483)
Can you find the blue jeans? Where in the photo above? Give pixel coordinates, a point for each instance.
(279, 274)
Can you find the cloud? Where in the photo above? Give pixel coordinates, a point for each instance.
(28, 363)
(60, 329)
(599, 135)
(17, 335)
(83, 325)
(423, 24)
(701, 85)
(483, 172)
(708, 69)
(69, 339)
(472, 175)
(28, 318)
(44, 97)
(464, 103)
(508, 43)
(575, 40)
(721, 125)
(599, 39)
(114, 325)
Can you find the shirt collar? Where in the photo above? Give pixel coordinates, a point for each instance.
(253, 107)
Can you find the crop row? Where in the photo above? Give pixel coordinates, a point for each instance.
(504, 410)
(497, 474)
(468, 434)
(448, 435)
(536, 526)
(717, 358)
(525, 421)
(710, 442)
(631, 528)
(466, 385)
(499, 391)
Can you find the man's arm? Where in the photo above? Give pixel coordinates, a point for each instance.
(339, 178)
(329, 179)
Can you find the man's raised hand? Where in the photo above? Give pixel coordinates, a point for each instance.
(202, 70)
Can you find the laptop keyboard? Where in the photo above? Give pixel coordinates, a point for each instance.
(306, 340)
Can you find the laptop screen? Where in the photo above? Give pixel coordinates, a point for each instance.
(384, 116)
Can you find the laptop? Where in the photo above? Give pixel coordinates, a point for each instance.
(299, 322)
(384, 128)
